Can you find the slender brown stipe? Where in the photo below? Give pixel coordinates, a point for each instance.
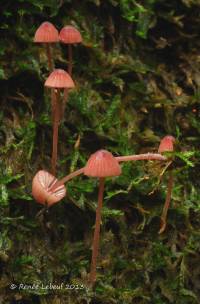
(96, 238)
(49, 57)
(64, 102)
(67, 178)
(55, 133)
(167, 203)
(70, 59)
(146, 156)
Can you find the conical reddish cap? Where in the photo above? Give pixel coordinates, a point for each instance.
(46, 33)
(166, 144)
(70, 35)
(41, 189)
(102, 164)
(59, 79)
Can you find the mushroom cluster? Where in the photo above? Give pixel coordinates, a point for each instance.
(46, 188)
(59, 80)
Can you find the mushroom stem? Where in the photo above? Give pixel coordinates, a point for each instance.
(95, 246)
(65, 95)
(67, 178)
(147, 156)
(53, 104)
(65, 98)
(50, 66)
(55, 132)
(167, 203)
(49, 57)
(70, 59)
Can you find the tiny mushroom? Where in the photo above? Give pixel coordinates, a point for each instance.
(58, 80)
(166, 144)
(42, 189)
(70, 35)
(101, 164)
(47, 33)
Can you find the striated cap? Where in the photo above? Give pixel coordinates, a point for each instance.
(102, 164)
(59, 79)
(166, 144)
(70, 35)
(41, 189)
(46, 33)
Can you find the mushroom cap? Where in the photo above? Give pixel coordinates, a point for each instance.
(41, 189)
(70, 35)
(59, 79)
(166, 144)
(46, 33)
(102, 164)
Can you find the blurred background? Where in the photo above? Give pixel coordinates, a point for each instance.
(137, 76)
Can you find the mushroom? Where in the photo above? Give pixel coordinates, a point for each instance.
(58, 79)
(47, 33)
(70, 35)
(167, 145)
(101, 164)
(43, 191)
